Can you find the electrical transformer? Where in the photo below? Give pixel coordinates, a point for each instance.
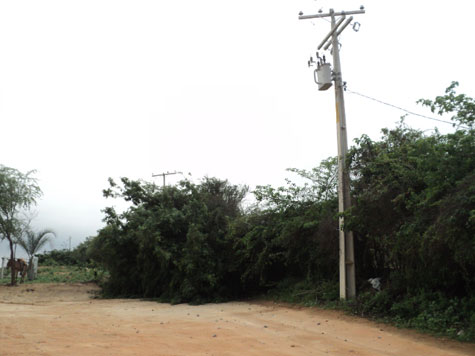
(323, 76)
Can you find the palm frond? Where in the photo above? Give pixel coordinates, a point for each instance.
(32, 241)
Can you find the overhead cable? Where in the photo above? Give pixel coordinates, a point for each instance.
(402, 109)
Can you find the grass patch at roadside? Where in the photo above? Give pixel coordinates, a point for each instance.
(62, 274)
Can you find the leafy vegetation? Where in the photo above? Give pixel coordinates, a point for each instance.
(76, 257)
(426, 311)
(419, 193)
(31, 242)
(17, 191)
(171, 243)
(413, 220)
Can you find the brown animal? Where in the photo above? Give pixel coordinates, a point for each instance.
(19, 265)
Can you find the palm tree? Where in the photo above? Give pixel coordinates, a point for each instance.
(32, 242)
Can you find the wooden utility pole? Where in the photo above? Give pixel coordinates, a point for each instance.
(346, 245)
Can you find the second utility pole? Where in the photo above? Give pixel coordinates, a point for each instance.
(346, 244)
(164, 175)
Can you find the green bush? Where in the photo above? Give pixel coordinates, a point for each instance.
(172, 242)
(428, 312)
(305, 292)
(413, 219)
(76, 257)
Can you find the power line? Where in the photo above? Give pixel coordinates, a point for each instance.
(402, 109)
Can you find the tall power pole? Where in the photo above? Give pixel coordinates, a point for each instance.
(346, 245)
(164, 175)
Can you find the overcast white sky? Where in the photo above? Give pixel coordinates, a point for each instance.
(93, 88)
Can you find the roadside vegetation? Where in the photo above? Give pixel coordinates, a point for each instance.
(64, 266)
(413, 219)
(19, 192)
(61, 274)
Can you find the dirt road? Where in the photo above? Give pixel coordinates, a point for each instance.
(55, 319)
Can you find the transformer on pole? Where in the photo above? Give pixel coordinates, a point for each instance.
(323, 77)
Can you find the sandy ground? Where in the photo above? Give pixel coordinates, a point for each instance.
(59, 319)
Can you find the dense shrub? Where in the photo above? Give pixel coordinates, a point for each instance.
(413, 220)
(172, 242)
(412, 210)
(56, 258)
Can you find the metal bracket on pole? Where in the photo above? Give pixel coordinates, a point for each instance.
(331, 32)
(339, 31)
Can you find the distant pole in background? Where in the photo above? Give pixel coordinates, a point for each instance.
(69, 243)
(323, 78)
(164, 175)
